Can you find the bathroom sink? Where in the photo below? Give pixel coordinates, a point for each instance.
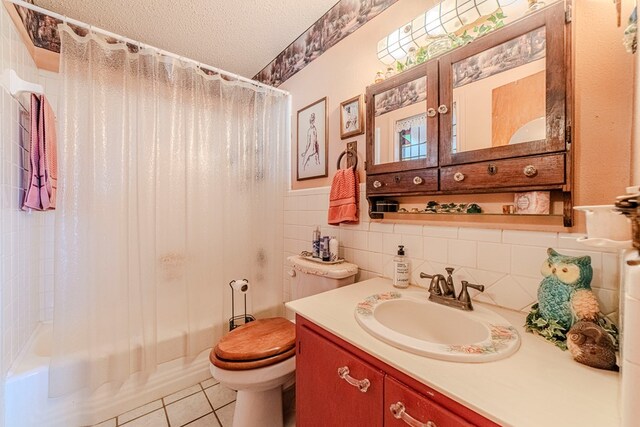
(409, 321)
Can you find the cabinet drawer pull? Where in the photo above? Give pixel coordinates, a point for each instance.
(442, 109)
(399, 412)
(458, 177)
(431, 112)
(530, 171)
(417, 180)
(377, 184)
(362, 385)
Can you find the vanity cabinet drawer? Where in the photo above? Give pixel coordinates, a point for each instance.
(520, 172)
(402, 404)
(333, 387)
(416, 181)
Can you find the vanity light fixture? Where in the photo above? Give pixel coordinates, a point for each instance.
(447, 17)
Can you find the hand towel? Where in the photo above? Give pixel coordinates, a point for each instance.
(32, 186)
(344, 197)
(47, 141)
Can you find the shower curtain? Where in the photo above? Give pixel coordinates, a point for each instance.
(171, 185)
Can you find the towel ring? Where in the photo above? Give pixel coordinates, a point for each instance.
(349, 153)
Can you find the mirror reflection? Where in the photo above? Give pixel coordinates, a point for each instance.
(499, 95)
(400, 123)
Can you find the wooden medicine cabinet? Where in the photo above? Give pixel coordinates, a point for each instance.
(493, 116)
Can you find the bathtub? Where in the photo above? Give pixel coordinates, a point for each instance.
(26, 387)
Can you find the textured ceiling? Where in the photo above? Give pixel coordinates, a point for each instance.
(241, 36)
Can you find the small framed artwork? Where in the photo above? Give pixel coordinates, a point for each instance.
(352, 117)
(312, 141)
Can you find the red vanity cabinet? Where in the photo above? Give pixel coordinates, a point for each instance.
(329, 396)
(323, 397)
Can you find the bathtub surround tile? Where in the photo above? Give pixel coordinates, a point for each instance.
(207, 421)
(225, 414)
(220, 395)
(140, 411)
(188, 409)
(156, 418)
(182, 394)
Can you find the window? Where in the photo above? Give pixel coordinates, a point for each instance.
(412, 137)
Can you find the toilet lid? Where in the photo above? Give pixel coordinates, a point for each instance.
(257, 340)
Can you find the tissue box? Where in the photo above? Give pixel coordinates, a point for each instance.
(532, 202)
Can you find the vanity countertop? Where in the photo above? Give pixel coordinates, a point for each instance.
(539, 385)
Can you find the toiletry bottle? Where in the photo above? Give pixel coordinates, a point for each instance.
(324, 249)
(316, 243)
(333, 248)
(401, 269)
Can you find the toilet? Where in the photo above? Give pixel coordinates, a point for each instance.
(258, 358)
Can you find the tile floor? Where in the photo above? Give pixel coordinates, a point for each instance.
(206, 404)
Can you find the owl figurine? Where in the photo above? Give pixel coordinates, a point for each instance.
(565, 294)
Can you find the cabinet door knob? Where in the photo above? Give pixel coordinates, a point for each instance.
(458, 177)
(377, 184)
(417, 180)
(431, 112)
(442, 109)
(399, 412)
(530, 171)
(362, 385)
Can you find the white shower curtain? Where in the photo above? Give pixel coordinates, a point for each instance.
(171, 183)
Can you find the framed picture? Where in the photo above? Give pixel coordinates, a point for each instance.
(352, 117)
(313, 144)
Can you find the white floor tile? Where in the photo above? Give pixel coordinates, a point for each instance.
(138, 412)
(206, 421)
(225, 414)
(108, 423)
(155, 419)
(188, 409)
(182, 393)
(208, 383)
(220, 395)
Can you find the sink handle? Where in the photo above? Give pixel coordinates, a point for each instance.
(362, 385)
(399, 412)
(464, 293)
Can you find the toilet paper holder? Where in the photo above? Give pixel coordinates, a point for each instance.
(242, 286)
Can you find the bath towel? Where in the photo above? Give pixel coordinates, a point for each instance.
(41, 185)
(32, 186)
(344, 197)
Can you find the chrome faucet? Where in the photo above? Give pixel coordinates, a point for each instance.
(442, 290)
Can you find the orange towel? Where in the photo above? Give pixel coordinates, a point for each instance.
(344, 197)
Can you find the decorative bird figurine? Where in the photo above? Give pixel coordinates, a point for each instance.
(591, 345)
(564, 298)
(565, 292)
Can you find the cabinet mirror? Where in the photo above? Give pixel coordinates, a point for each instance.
(505, 95)
(401, 135)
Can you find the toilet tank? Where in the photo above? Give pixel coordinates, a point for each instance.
(310, 277)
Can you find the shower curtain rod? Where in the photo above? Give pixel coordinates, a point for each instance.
(91, 28)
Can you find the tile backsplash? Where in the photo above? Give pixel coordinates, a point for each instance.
(506, 262)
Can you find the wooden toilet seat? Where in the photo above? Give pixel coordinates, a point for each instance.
(256, 344)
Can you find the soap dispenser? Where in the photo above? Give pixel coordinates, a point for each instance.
(401, 269)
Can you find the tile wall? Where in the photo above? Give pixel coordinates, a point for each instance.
(20, 232)
(506, 262)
